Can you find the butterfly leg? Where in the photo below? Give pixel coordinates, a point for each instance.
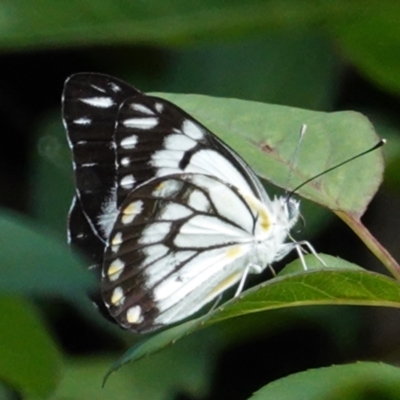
(214, 306)
(300, 250)
(256, 269)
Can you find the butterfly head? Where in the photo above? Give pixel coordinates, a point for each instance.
(286, 211)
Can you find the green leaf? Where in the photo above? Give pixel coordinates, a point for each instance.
(105, 22)
(370, 41)
(50, 164)
(184, 368)
(339, 382)
(266, 136)
(342, 283)
(301, 70)
(30, 362)
(32, 261)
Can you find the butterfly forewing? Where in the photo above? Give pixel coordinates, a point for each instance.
(90, 108)
(170, 246)
(156, 138)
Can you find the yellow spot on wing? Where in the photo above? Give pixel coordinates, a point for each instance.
(130, 211)
(132, 208)
(225, 284)
(134, 315)
(259, 209)
(264, 220)
(160, 187)
(115, 269)
(117, 296)
(234, 252)
(117, 239)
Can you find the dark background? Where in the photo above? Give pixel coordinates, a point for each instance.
(314, 55)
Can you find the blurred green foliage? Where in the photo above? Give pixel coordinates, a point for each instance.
(314, 54)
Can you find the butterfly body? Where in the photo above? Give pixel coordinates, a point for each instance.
(169, 216)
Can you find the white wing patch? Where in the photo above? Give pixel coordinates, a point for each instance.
(208, 265)
(202, 231)
(167, 188)
(194, 131)
(109, 214)
(140, 123)
(114, 87)
(153, 253)
(129, 142)
(127, 182)
(165, 266)
(134, 315)
(99, 102)
(141, 109)
(175, 211)
(209, 162)
(115, 269)
(198, 201)
(131, 211)
(179, 142)
(82, 121)
(117, 297)
(125, 162)
(155, 232)
(159, 108)
(166, 159)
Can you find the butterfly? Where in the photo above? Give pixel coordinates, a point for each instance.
(168, 215)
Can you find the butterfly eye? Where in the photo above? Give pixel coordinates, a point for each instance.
(293, 211)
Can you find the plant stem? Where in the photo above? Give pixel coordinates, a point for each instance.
(372, 243)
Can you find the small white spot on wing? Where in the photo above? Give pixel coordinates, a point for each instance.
(127, 182)
(140, 123)
(87, 165)
(98, 88)
(159, 107)
(192, 130)
(142, 109)
(100, 102)
(82, 121)
(129, 142)
(125, 161)
(114, 87)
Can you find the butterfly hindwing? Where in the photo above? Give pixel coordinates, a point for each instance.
(170, 247)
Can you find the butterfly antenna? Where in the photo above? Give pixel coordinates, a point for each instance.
(377, 146)
(296, 154)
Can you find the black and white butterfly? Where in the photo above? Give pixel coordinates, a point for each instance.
(169, 215)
